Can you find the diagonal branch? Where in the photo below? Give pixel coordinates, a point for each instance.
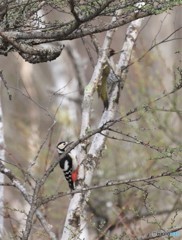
(110, 183)
(28, 197)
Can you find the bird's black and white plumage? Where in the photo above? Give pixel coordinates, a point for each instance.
(68, 164)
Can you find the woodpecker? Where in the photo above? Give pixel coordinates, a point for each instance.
(68, 164)
(102, 87)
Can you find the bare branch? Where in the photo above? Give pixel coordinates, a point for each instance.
(110, 183)
(5, 84)
(28, 197)
(19, 34)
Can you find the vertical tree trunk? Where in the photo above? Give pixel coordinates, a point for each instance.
(2, 156)
(75, 218)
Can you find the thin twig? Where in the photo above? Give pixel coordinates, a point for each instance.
(6, 85)
(28, 197)
(111, 183)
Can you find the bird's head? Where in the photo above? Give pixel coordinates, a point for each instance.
(61, 146)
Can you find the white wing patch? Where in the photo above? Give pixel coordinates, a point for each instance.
(66, 165)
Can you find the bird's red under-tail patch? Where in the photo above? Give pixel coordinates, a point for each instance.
(74, 175)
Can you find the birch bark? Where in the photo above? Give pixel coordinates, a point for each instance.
(76, 218)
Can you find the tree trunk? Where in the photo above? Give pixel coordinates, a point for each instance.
(75, 221)
(2, 157)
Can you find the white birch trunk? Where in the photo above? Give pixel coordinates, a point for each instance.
(74, 225)
(75, 221)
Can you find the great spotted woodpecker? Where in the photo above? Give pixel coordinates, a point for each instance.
(69, 164)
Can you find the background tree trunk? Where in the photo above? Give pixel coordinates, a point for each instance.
(2, 158)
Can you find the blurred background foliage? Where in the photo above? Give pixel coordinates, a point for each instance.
(147, 143)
